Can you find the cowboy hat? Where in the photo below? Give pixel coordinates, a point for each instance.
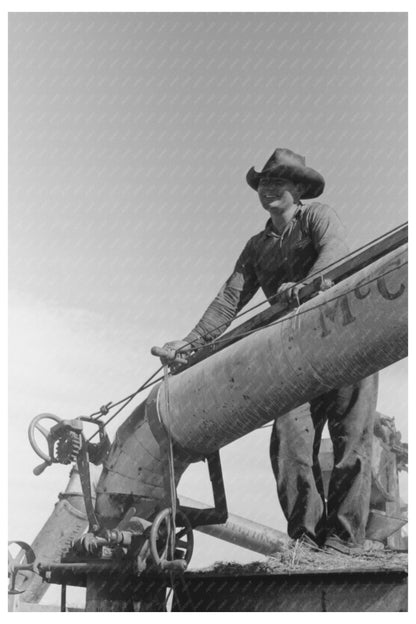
(287, 165)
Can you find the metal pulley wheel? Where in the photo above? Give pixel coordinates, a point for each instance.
(161, 539)
(19, 566)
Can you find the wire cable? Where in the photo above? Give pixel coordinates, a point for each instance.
(127, 399)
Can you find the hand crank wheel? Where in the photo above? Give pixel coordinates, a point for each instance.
(161, 535)
(36, 426)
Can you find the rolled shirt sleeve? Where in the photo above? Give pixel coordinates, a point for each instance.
(237, 291)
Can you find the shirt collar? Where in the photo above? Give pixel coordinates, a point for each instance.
(268, 230)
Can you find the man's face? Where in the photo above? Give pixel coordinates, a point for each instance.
(275, 193)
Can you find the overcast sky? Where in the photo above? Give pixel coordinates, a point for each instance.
(129, 139)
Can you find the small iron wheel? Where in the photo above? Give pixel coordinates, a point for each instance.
(20, 566)
(161, 536)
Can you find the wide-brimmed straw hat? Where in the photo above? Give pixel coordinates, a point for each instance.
(287, 165)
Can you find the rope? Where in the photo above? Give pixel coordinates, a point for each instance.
(168, 593)
(171, 466)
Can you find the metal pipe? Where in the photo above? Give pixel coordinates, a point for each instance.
(243, 532)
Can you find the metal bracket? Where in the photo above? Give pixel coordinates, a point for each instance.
(219, 513)
(85, 478)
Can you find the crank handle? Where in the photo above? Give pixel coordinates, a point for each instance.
(39, 469)
(177, 565)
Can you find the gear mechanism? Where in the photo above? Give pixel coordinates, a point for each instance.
(67, 447)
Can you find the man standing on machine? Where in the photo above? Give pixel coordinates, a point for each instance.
(299, 241)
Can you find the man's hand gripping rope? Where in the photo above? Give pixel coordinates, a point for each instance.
(173, 352)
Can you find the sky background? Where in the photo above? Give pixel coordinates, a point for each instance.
(130, 136)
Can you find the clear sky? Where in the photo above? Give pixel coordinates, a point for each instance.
(129, 139)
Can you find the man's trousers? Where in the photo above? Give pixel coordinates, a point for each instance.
(294, 449)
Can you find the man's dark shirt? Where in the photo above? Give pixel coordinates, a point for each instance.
(312, 240)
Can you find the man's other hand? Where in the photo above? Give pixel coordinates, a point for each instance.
(289, 292)
(176, 350)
